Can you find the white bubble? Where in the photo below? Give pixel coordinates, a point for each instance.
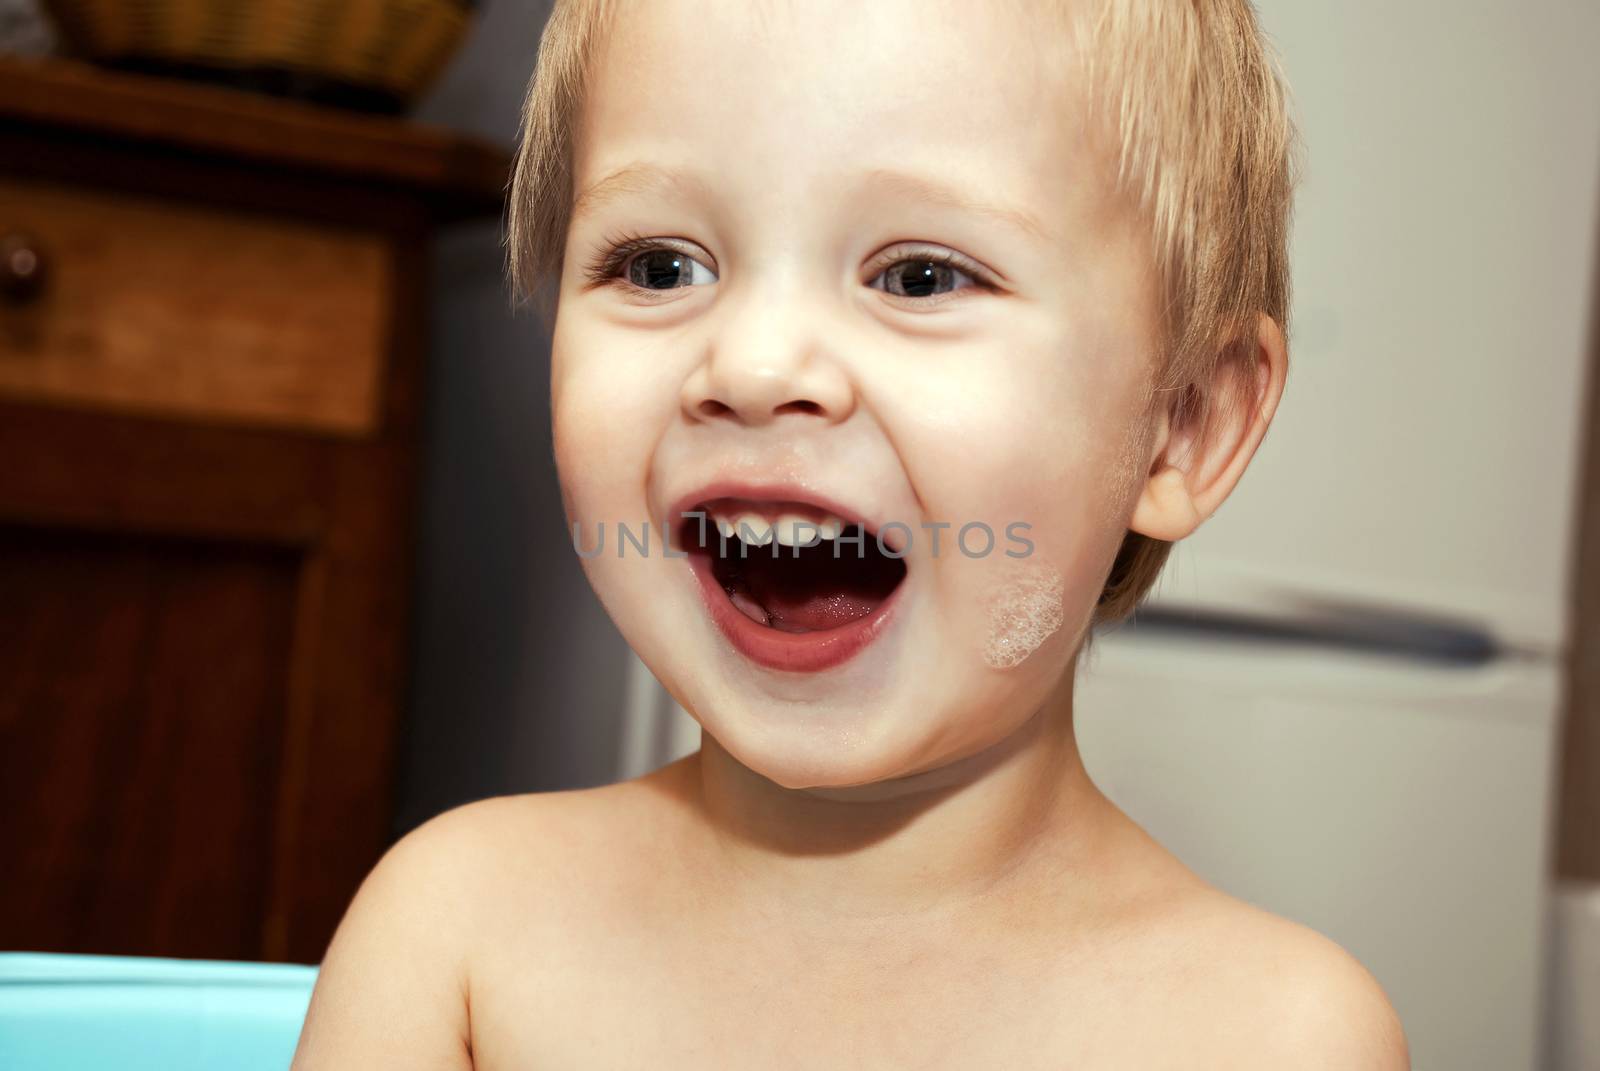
(1025, 609)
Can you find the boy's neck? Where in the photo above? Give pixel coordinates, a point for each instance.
(1010, 829)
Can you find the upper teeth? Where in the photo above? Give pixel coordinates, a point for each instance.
(789, 529)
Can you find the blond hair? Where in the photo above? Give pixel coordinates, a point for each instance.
(1194, 107)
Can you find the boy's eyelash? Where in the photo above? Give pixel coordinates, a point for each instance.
(617, 249)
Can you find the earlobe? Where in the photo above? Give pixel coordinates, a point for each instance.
(1166, 510)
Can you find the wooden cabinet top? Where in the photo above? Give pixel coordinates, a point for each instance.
(460, 175)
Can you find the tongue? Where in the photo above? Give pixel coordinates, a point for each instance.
(794, 602)
(793, 610)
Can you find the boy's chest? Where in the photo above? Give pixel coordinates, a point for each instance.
(719, 1011)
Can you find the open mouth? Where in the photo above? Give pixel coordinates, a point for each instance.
(806, 588)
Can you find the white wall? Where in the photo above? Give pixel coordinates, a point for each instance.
(517, 674)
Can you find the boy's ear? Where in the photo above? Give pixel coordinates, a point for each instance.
(1198, 457)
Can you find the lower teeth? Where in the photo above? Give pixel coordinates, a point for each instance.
(750, 608)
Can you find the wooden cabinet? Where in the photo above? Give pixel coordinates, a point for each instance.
(212, 335)
(194, 312)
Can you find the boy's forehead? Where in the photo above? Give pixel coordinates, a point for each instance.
(933, 98)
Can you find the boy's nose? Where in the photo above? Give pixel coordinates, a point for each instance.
(769, 366)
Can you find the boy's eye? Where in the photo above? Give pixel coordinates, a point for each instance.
(923, 276)
(662, 268)
(643, 264)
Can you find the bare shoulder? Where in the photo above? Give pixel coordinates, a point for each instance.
(479, 864)
(395, 986)
(391, 990)
(1222, 982)
(1290, 996)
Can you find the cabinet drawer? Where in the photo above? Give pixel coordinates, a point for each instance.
(164, 308)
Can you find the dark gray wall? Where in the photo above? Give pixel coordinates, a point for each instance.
(517, 674)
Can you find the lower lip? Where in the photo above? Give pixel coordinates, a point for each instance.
(792, 652)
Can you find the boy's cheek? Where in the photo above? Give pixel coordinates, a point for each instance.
(601, 398)
(604, 425)
(1020, 607)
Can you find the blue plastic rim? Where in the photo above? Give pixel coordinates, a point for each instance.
(61, 1012)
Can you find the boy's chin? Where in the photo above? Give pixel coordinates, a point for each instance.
(843, 766)
(810, 766)
(902, 750)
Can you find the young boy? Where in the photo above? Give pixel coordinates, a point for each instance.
(860, 282)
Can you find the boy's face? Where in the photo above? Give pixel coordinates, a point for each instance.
(820, 155)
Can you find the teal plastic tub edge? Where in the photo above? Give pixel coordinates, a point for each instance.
(61, 1012)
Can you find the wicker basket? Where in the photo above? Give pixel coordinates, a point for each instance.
(375, 55)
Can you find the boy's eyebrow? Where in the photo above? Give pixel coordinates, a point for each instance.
(634, 178)
(919, 188)
(643, 177)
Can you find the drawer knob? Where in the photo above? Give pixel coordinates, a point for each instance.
(23, 268)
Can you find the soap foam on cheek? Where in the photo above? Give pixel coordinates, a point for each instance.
(1025, 609)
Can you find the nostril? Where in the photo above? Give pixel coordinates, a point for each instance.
(710, 407)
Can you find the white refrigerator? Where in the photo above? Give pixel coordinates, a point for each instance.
(1343, 700)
